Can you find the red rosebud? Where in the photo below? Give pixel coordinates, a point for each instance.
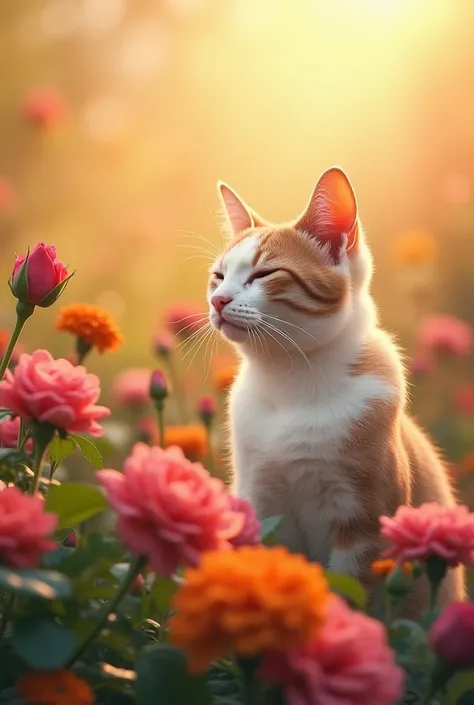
(38, 277)
(452, 635)
(138, 584)
(158, 386)
(70, 540)
(44, 107)
(207, 408)
(163, 344)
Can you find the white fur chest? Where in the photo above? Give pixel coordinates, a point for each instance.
(288, 453)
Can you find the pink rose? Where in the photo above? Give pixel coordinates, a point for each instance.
(43, 274)
(445, 333)
(207, 408)
(9, 431)
(349, 662)
(25, 529)
(55, 392)
(250, 534)
(44, 107)
(452, 635)
(416, 533)
(169, 509)
(132, 387)
(163, 343)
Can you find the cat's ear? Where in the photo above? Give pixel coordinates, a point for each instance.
(331, 214)
(238, 214)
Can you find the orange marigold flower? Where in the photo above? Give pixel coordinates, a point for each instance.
(93, 324)
(416, 247)
(385, 566)
(247, 601)
(192, 439)
(224, 376)
(54, 688)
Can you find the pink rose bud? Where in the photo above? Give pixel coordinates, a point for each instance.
(207, 408)
(38, 277)
(138, 584)
(452, 635)
(70, 540)
(158, 386)
(163, 344)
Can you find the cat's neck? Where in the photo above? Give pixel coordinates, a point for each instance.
(319, 372)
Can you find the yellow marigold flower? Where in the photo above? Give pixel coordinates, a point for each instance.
(54, 688)
(92, 324)
(386, 566)
(247, 601)
(416, 247)
(192, 439)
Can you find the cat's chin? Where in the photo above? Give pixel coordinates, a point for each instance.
(236, 334)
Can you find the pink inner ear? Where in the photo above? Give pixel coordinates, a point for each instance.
(239, 216)
(331, 211)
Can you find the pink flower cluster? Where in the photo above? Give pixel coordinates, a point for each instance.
(171, 510)
(55, 392)
(349, 662)
(185, 318)
(445, 333)
(25, 529)
(416, 533)
(9, 431)
(132, 387)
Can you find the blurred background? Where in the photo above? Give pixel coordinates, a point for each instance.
(117, 118)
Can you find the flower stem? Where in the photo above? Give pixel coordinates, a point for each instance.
(6, 614)
(23, 312)
(43, 433)
(160, 410)
(135, 568)
(178, 390)
(82, 350)
(210, 457)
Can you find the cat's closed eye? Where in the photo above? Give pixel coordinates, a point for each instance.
(261, 274)
(217, 275)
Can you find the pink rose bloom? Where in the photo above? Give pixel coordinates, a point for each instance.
(132, 387)
(416, 533)
(44, 107)
(9, 431)
(452, 635)
(250, 534)
(421, 364)
(185, 318)
(169, 509)
(447, 334)
(53, 391)
(207, 408)
(25, 529)
(349, 662)
(44, 273)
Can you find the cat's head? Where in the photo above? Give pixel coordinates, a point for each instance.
(293, 284)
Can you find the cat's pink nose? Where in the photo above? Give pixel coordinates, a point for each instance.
(220, 301)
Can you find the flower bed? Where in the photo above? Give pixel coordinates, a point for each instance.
(189, 601)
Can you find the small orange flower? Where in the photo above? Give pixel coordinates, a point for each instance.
(416, 247)
(224, 376)
(94, 325)
(384, 567)
(54, 688)
(247, 601)
(192, 439)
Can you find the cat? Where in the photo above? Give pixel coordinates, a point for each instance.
(319, 429)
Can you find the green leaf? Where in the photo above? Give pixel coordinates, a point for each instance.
(60, 448)
(161, 593)
(460, 684)
(5, 414)
(269, 528)
(347, 586)
(162, 677)
(89, 451)
(47, 584)
(75, 502)
(42, 643)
